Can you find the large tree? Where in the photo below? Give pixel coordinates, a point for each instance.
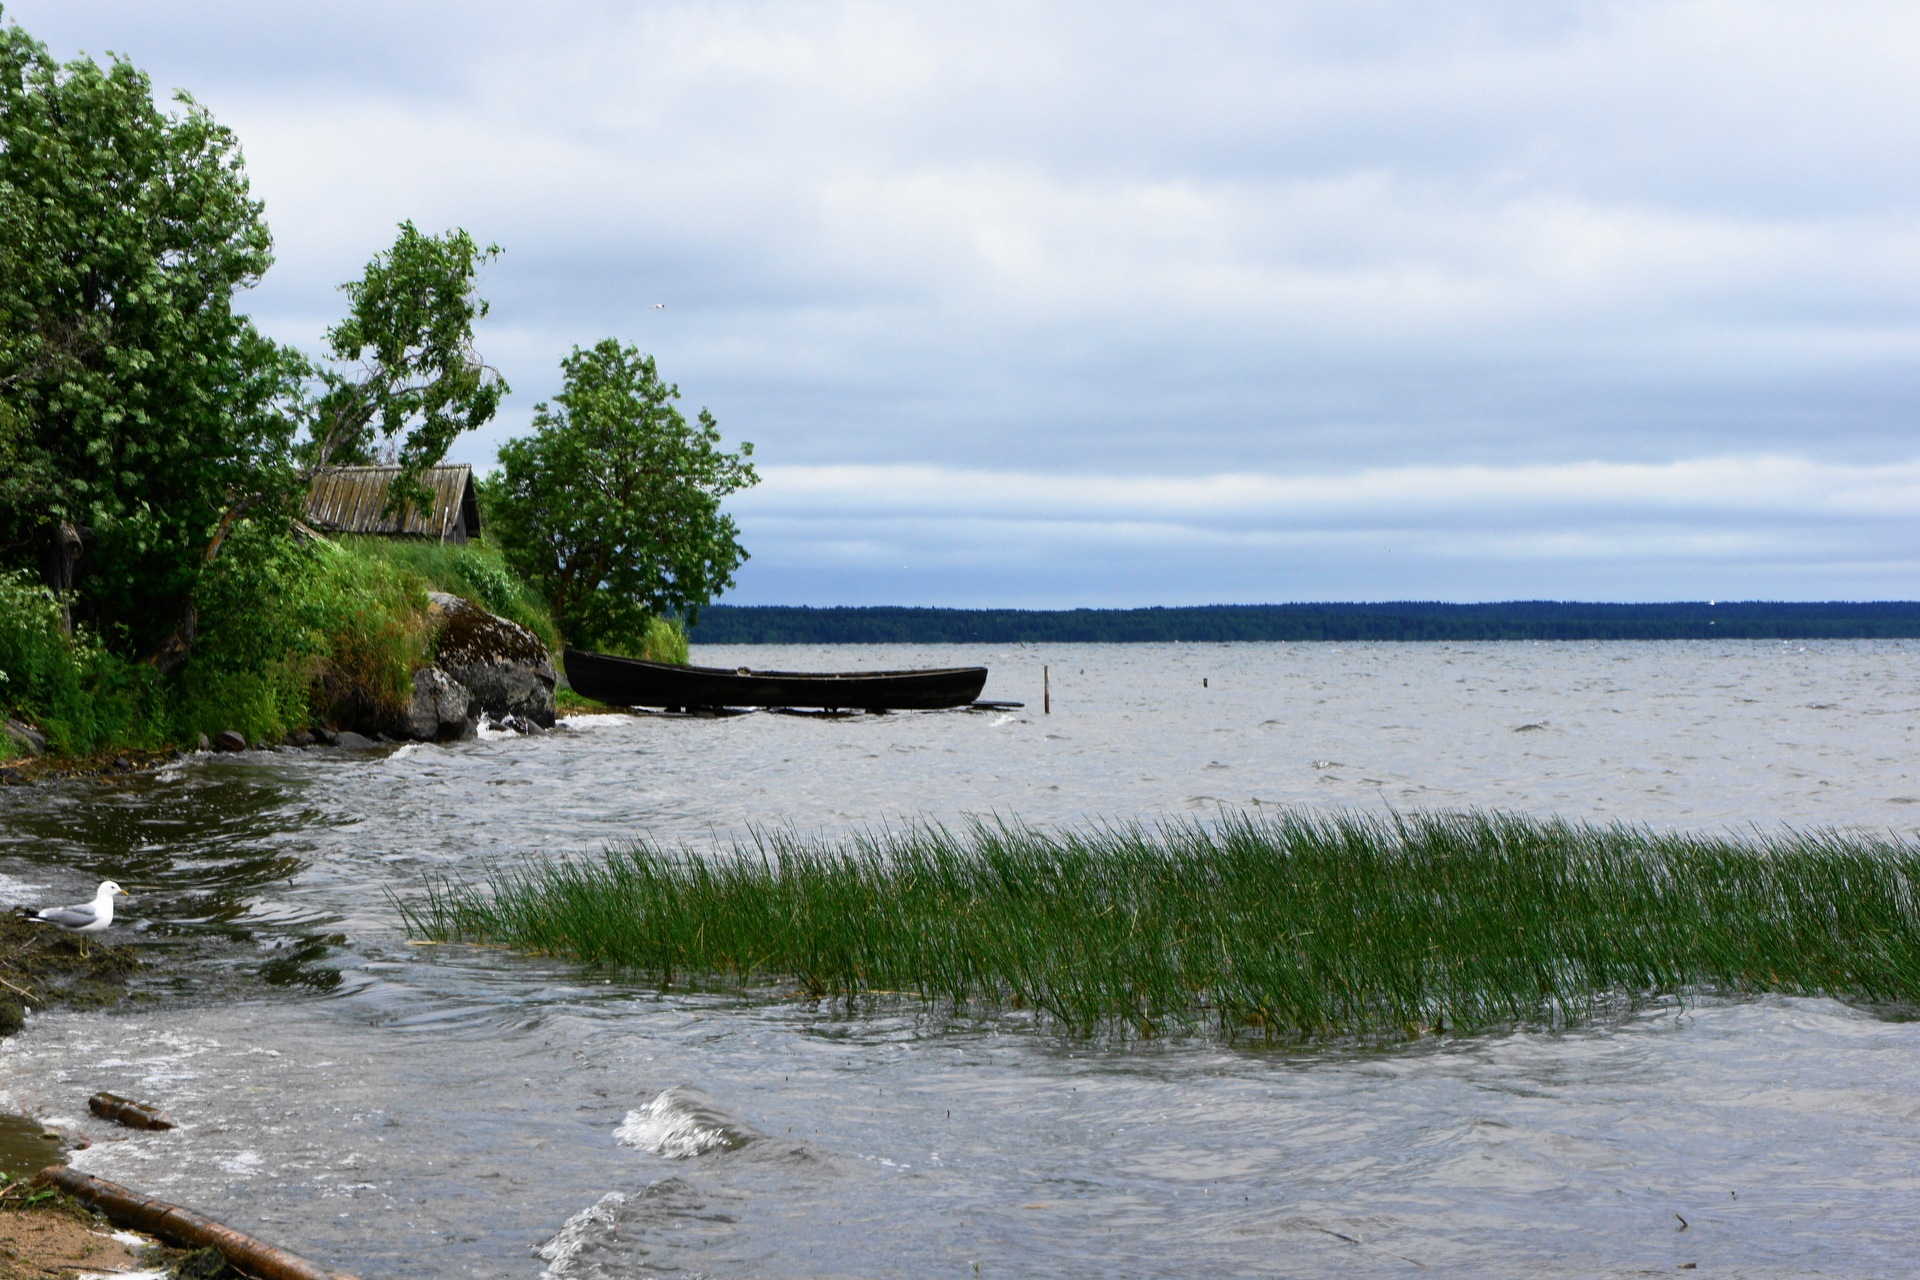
(136, 406)
(612, 505)
(140, 415)
(407, 379)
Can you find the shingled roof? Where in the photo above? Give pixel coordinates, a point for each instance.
(354, 500)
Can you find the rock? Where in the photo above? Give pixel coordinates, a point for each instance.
(123, 764)
(504, 665)
(229, 740)
(348, 740)
(25, 736)
(11, 776)
(327, 737)
(13, 1015)
(299, 738)
(441, 708)
(204, 744)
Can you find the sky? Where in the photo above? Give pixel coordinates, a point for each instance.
(1114, 304)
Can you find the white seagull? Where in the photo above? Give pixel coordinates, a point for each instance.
(86, 917)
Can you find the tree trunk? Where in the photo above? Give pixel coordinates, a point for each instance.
(59, 565)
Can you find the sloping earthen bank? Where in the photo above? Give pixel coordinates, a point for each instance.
(41, 967)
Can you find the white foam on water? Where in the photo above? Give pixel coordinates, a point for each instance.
(244, 1164)
(679, 1124)
(589, 1226)
(590, 723)
(18, 892)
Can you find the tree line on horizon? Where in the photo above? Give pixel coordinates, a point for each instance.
(1391, 620)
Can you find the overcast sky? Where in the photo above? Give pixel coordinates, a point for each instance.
(1058, 304)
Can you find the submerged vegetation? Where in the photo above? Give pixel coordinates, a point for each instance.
(1284, 926)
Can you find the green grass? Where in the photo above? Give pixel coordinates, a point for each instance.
(1285, 926)
(474, 570)
(288, 635)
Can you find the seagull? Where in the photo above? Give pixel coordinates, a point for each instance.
(659, 306)
(87, 917)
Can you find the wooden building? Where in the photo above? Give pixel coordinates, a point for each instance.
(354, 500)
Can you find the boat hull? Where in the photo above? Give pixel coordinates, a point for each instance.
(630, 682)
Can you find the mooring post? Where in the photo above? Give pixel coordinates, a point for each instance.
(1046, 691)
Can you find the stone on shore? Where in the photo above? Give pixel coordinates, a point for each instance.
(504, 665)
(25, 736)
(441, 709)
(229, 740)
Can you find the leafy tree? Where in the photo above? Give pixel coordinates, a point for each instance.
(135, 405)
(410, 379)
(612, 506)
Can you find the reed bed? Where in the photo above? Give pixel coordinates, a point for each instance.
(1289, 925)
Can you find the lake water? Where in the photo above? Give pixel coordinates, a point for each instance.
(412, 1111)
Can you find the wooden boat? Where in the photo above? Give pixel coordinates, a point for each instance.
(630, 682)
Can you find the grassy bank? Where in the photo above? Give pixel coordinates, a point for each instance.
(1285, 926)
(291, 635)
(474, 570)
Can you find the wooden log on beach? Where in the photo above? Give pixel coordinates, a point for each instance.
(183, 1227)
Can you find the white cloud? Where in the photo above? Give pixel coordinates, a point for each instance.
(1700, 488)
(1553, 282)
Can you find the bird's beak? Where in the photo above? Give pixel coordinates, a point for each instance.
(126, 895)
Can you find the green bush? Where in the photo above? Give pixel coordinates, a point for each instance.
(289, 634)
(82, 696)
(297, 632)
(664, 640)
(37, 666)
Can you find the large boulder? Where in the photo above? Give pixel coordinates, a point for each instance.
(504, 665)
(441, 708)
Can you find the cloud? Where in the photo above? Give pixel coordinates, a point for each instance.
(1694, 527)
(1403, 248)
(1763, 485)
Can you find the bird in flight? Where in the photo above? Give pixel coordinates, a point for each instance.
(659, 306)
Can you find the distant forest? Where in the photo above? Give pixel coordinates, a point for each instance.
(1400, 620)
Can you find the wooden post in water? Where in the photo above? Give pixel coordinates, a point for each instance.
(1046, 691)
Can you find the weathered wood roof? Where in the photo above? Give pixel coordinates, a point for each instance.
(354, 500)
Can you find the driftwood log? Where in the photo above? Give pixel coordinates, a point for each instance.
(183, 1227)
(134, 1115)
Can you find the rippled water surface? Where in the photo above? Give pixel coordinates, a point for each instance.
(409, 1111)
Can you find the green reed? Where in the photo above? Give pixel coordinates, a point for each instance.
(1285, 925)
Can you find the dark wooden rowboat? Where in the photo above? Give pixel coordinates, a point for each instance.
(630, 682)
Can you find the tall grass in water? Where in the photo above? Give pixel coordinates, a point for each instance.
(1295, 925)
